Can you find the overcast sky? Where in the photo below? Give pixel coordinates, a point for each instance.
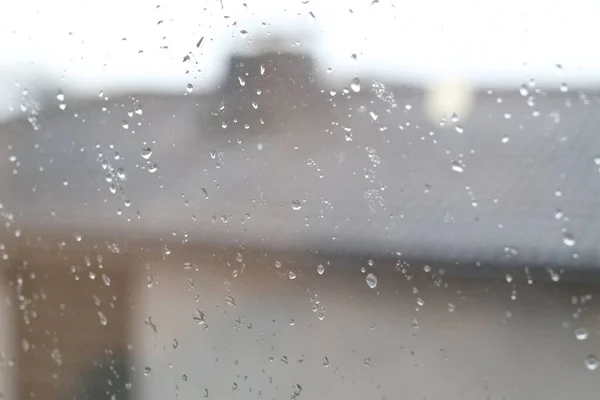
(89, 46)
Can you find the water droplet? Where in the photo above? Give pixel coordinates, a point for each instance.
(277, 264)
(242, 81)
(125, 125)
(106, 279)
(297, 389)
(505, 139)
(60, 96)
(457, 167)
(558, 214)
(568, 239)
(371, 280)
(523, 90)
(153, 168)
(355, 85)
(103, 320)
(564, 87)
(509, 278)
(78, 237)
(62, 106)
(189, 88)
(320, 269)
(367, 362)
(292, 275)
(199, 317)
(581, 333)
(325, 362)
(591, 362)
(230, 301)
(147, 371)
(147, 153)
(296, 205)
(243, 33)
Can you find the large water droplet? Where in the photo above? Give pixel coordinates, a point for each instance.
(355, 85)
(292, 275)
(320, 269)
(457, 167)
(296, 205)
(146, 153)
(591, 362)
(568, 239)
(371, 280)
(103, 319)
(581, 333)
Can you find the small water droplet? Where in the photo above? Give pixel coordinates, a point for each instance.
(153, 168)
(243, 33)
(355, 85)
(296, 205)
(325, 362)
(125, 125)
(103, 320)
(292, 275)
(371, 280)
(591, 362)
(505, 139)
(146, 153)
(277, 264)
(523, 90)
(581, 333)
(147, 371)
(189, 88)
(564, 87)
(60, 96)
(457, 167)
(568, 239)
(242, 81)
(320, 269)
(230, 301)
(509, 278)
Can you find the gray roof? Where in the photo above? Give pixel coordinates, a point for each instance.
(390, 189)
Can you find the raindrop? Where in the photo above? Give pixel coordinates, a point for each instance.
(292, 275)
(558, 214)
(564, 87)
(509, 278)
(78, 237)
(581, 333)
(147, 153)
(230, 301)
(523, 90)
(60, 96)
(568, 239)
(457, 167)
(355, 85)
(153, 168)
(296, 205)
(371, 280)
(591, 362)
(199, 317)
(367, 362)
(147, 371)
(103, 320)
(325, 362)
(505, 139)
(189, 88)
(242, 81)
(597, 160)
(125, 125)
(243, 33)
(297, 389)
(320, 269)
(459, 129)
